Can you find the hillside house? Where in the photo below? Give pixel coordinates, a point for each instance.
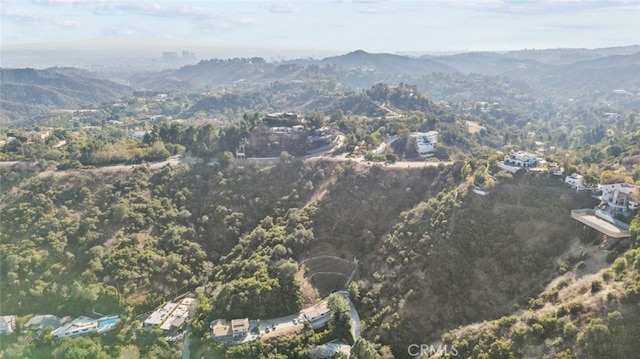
(159, 316)
(39, 322)
(555, 169)
(425, 142)
(170, 317)
(576, 181)
(85, 325)
(240, 327)
(179, 316)
(7, 324)
(139, 135)
(522, 159)
(619, 198)
(221, 329)
(317, 315)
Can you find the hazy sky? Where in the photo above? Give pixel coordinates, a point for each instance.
(375, 26)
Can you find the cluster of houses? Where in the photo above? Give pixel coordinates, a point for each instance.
(223, 330)
(62, 327)
(238, 330)
(616, 199)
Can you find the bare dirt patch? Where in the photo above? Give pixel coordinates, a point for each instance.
(474, 127)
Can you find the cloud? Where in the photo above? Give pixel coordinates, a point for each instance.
(248, 21)
(536, 7)
(282, 7)
(197, 13)
(130, 7)
(390, 8)
(57, 2)
(21, 15)
(68, 23)
(157, 10)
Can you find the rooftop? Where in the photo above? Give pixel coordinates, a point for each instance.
(316, 311)
(240, 325)
(221, 328)
(159, 315)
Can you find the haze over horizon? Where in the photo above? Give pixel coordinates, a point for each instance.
(304, 28)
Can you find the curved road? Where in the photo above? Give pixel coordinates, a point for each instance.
(188, 159)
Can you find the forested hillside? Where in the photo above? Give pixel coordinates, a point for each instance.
(124, 241)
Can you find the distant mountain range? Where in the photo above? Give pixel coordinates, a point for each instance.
(562, 73)
(27, 91)
(562, 68)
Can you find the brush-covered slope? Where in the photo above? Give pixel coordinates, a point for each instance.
(589, 312)
(28, 91)
(431, 256)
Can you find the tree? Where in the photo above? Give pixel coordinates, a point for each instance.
(340, 324)
(285, 157)
(363, 349)
(225, 159)
(337, 116)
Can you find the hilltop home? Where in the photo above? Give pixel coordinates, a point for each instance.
(425, 142)
(619, 197)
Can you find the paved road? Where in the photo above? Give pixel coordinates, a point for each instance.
(185, 345)
(188, 159)
(355, 321)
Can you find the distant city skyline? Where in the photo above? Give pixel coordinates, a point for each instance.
(331, 26)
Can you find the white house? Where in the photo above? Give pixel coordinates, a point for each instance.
(425, 142)
(576, 181)
(318, 315)
(619, 197)
(521, 159)
(7, 324)
(84, 325)
(159, 315)
(171, 316)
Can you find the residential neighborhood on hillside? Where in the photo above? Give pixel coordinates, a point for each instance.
(325, 180)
